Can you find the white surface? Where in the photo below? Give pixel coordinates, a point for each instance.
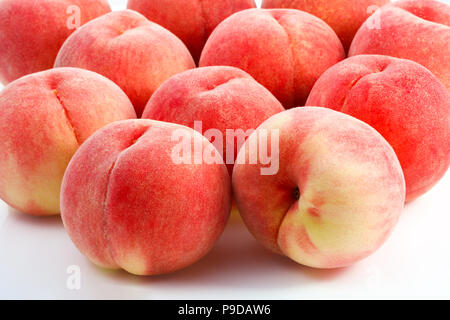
(414, 263)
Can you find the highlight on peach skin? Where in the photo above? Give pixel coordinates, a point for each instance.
(126, 204)
(336, 197)
(44, 117)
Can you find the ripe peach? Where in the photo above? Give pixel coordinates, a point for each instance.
(337, 195)
(127, 204)
(192, 21)
(125, 47)
(32, 32)
(404, 101)
(44, 117)
(222, 98)
(417, 30)
(344, 16)
(285, 50)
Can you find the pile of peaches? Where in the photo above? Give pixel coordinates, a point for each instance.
(357, 92)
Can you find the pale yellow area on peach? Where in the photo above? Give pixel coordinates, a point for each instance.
(42, 187)
(133, 263)
(348, 223)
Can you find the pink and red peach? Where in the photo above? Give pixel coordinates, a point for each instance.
(417, 30)
(285, 50)
(337, 195)
(125, 47)
(401, 99)
(222, 98)
(127, 204)
(32, 32)
(192, 21)
(44, 117)
(344, 16)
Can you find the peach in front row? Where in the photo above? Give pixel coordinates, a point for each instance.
(127, 204)
(337, 195)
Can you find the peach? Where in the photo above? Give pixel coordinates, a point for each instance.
(44, 117)
(417, 30)
(125, 47)
(401, 99)
(32, 32)
(344, 16)
(192, 21)
(336, 197)
(285, 50)
(222, 98)
(126, 203)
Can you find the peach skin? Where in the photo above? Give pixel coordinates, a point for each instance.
(192, 21)
(344, 16)
(222, 98)
(417, 30)
(337, 195)
(283, 49)
(127, 204)
(32, 32)
(125, 47)
(403, 101)
(44, 117)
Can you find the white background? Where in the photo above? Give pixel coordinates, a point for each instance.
(35, 254)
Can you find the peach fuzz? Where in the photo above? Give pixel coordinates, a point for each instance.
(417, 30)
(192, 21)
(337, 196)
(401, 99)
(285, 50)
(126, 204)
(221, 98)
(125, 47)
(44, 118)
(32, 32)
(344, 16)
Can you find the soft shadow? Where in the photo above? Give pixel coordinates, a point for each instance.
(325, 274)
(236, 261)
(20, 217)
